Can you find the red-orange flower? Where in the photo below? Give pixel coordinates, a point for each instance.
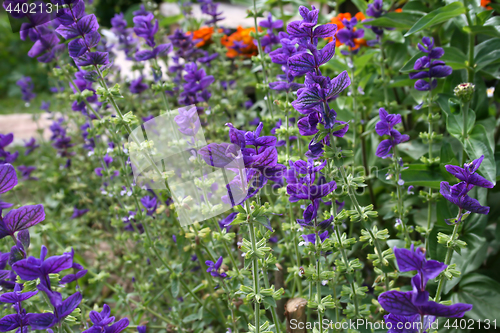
(399, 10)
(484, 3)
(203, 36)
(240, 43)
(338, 21)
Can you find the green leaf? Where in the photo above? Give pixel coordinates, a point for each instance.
(453, 57)
(486, 53)
(421, 175)
(483, 293)
(362, 5)
(402, 20)
(483, 30)
(437, 16)
(169, 20)
(477, 144)
(454, 120)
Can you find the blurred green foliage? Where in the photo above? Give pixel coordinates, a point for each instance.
(15, 63)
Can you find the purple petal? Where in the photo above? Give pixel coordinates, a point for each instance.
(69, 304)
(8, 178)
(397, 302)
(24, 217)
(56, 264)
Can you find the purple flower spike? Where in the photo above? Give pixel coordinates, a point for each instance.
(457, 194)
(26, 85)
(387, 122)
(214, 268)
(103, 319)
(385, 127)
(137, 86)
(428, 67)
(468, 173)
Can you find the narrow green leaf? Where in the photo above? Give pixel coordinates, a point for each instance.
(437, 16)
(362, 5)
(402, 20)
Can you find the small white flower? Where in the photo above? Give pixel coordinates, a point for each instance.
(324, 282)
(90, 153)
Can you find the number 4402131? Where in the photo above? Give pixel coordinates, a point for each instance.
(470, 324)
(31, 8)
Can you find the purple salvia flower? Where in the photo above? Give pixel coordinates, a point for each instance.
(385, 127)
(30, 145)
(103, 319)
(414, 260)
(27, 86)
(210, 8)
(214, 268)
(225, 223)
(457, 194)
(427, 67)
(78, 212)
(349, 34)
(137, 86)
(26, 172)
(150, 203)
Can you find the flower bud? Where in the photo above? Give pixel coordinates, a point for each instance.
(464, 91)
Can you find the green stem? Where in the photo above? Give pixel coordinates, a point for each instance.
(470, 68)
(255, 269)
(400, 198)
(273, 309)
(449, 255)
(465, 113)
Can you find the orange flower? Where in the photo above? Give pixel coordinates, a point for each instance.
(399, 10)
(338, 21)
(240, 43)
(203, 36)
(484, 3)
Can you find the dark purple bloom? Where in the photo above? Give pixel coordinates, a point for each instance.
(427, 67)
(304, 30)
(93, 58)
(195, 88)
(214, 268)
(385, 127)
(417, 302)
(468, 173)
(141, 329)
(150, 203)
(78, 270)
(102, 320)
(137, 86)
(78, 212)
(306, 187)
(210, 8)
(33, 268)
(26, 172)
(141, 12)
(143, 28)
(414, 260)
(27, 86)
(161, 50)
(30, 145)
(349, 34)
(387, 122)
(225, 223)
(303, 62)
(311, 238)
(457, 194)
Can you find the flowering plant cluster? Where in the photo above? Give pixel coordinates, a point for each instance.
(320, 160)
